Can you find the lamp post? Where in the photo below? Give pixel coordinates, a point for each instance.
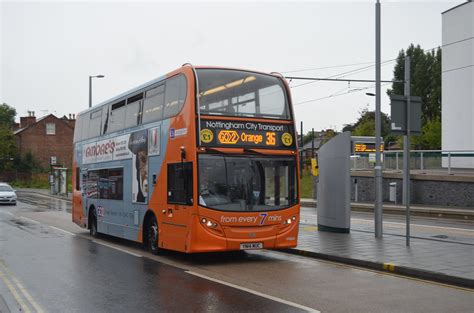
(90, 87)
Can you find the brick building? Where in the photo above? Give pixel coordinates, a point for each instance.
(48, 138)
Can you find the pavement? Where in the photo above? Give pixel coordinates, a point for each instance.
(445, 261)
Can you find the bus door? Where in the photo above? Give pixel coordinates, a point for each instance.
(176, 222)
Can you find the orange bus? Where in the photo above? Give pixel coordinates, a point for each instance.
(202, 159)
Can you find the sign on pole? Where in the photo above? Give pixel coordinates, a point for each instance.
(398, 114)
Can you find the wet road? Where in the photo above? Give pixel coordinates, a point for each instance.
(47, 264)
(66, 273)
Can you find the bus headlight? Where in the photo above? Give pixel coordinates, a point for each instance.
(288, 221)
(208, 223)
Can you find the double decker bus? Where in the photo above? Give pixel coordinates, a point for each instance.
(202, 159)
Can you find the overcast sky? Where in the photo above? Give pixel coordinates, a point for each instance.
(48, 49)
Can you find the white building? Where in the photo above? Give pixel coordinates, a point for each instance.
(458, 82)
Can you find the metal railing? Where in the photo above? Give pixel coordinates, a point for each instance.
(423, 161)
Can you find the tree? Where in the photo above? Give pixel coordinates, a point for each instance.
(27, 163)
(324, 135)
(425, 74)
(7, 115)
(430, 138)
(365, 125)
(7, 138)
(7, 148)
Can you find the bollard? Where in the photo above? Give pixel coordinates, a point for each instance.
(449, 163)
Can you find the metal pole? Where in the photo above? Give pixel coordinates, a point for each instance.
(422, 165)
(378, 216)
(90, 91)
(301, 153)
(396, 159)
(449, 162)
(312, 143)
(406, 150)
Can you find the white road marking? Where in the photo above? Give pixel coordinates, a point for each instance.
(117, 248)
(8, 213)
(295, 305)
(62, 230)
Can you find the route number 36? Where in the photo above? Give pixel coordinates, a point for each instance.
(270, 139)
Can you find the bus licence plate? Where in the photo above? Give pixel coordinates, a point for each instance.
(251, 245)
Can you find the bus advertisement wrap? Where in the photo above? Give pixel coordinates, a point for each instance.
(138, 146)
(106, 150)
(134, 146)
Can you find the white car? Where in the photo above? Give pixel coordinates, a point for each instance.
(7, 194)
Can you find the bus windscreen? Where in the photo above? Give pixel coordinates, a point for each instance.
(240, 93)
(247, 183)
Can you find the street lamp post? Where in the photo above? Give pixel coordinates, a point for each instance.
(90, 87)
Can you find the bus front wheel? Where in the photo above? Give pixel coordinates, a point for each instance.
(152, 235)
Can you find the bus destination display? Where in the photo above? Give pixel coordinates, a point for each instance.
(220, 133)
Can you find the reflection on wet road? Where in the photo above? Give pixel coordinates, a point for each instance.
(42, 203)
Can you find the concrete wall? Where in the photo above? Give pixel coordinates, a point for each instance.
(425, 189)
(458, 82)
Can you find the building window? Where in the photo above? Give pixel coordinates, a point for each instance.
(50, 129)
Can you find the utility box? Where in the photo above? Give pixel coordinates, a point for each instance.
(334, 187)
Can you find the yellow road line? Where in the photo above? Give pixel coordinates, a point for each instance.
(15, 294)
(22, 289)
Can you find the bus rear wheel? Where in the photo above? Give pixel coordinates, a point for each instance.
(93, 223)
(152, 235)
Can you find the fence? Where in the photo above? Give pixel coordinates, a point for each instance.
(442, 161)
